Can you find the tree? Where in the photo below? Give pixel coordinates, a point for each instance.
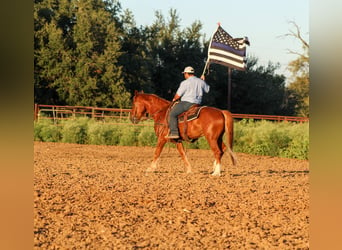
(258, 90)
(298, 89)
(76, 54)
(171, 49)
(135, 60)
(86, 54)
(48, 45)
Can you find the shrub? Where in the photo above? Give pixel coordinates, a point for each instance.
(102, 134)
(113, 135)
(45, 130)
(129, 136)
(96, 133)
(147, 137)
(298, 146)
(283, 139)
(37, 128)
(75, 130)
(273, 139)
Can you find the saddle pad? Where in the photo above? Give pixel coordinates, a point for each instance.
(192, 113)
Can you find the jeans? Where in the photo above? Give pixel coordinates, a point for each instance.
(175, 111)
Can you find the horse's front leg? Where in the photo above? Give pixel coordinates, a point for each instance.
(181, 151)
(160, 145)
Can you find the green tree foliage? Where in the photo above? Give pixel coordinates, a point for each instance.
(136, 62)
(155, 55)
(92, 53)
(76, 54)
(258, 90)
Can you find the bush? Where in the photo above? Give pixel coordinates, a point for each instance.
(46, 131)
(298, 146)
(37, 128)
(283, 139)
(274, 139)
(147, 137)
(103, 134)
(129, 136)
(75, 130)
(113, 135)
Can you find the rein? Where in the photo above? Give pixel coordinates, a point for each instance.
(156, 112)
(159, 124)
(160, 110)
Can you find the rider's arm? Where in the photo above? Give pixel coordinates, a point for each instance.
(176, 97)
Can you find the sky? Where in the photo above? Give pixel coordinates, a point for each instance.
(264, 22)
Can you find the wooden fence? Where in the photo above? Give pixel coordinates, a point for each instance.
(56, 112)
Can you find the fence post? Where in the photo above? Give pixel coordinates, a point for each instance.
(54, 114)
(35, 112)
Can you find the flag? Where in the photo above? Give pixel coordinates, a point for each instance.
(226, 50)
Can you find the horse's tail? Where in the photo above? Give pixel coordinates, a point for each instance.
(229, 129)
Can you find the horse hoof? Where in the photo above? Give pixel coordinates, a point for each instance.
(216, 174)
(150, 170)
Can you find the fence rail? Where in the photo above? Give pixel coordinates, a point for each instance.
(56, 112)
(272, 117)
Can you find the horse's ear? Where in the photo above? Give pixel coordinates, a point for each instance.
(136, 92)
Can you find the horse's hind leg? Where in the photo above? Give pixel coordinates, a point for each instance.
(217, 164)
(217, 150)
(181, 151)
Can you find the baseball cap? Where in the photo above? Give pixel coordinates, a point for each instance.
(189, 69)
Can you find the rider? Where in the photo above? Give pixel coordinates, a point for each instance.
(190, 92)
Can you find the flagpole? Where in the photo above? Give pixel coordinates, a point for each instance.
(211, 39)
(205, 67)
(229, 87)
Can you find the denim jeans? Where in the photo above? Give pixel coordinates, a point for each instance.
(175, 111)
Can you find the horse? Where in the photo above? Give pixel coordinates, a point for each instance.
(211, 123)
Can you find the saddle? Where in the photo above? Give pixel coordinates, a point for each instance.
(191, 114)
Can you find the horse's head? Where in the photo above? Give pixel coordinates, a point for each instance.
(138, 107)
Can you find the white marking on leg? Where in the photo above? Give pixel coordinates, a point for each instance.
(153, 166)
(217, 170)
(214, 165)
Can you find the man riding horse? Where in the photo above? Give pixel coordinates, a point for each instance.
(190, 92)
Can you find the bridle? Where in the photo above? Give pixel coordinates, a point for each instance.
(151, 114)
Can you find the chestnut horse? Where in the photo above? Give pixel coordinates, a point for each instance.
(211, 123)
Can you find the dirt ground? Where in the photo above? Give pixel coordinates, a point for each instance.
(99, 197)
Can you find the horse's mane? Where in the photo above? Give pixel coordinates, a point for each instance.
(157, 99)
